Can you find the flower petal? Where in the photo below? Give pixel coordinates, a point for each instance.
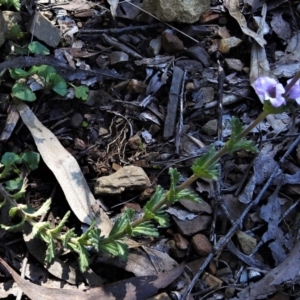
(264, 84)
(294, 93)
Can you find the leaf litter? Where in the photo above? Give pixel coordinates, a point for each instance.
(173, 99)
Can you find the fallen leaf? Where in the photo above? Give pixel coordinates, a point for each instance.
(113, 7)
(234, 10)
(134, 288)
(66, 170)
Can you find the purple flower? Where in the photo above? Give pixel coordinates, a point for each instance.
(294, 92)
(269, 89)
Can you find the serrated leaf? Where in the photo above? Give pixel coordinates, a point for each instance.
(155, 198)
(41, 211)
(66, 238)
(145, 228)
(81, 92)
(83, 255)
(50, 252)
(94, 237)
(119, 225)
(243, 145)
(115, 248)
(23, 92)
(22, 190)
(61, 224)
(187, 195)
(37, 48)
(201, 170)
(31, 158)
(38, 228)
(159, 216)
(14, 228)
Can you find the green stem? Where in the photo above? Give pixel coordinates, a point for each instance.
(189, 181)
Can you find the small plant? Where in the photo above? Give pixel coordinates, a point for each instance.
(15, 3)
(274, 97)
(42, 77)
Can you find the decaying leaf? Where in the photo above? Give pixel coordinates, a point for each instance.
(113, 7)
(66, 170)
(134, 288)
(234, 10)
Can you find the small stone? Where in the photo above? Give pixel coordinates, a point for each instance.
(211, 280)
(234, 64)
(118, 56)
(182, 11)
(162, 296)
(175, 252)
(181, 242)
(171, 43)
(79, 144)
(102, 131)
(135, 143)
(247, 242)
(211, 127)
(136, 87)
(201, 244)
(44, 30)
(229, 292)
(76, 120)
(190, 227)
(200, 54)
(196, 207)
(126, 178)
(226, 44)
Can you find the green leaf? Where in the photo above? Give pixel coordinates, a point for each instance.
(201, 170)
(115, 248)
(40, 228)
(23, 92)
(186, 194)
(155, 198)
(18, 73)
(21, 192)
(61, 224)
(38, 48)
(14, 228)
(58, 84)
(2, 204)
(94, 237)
(66, 238)
(81, 92)
(146, 228)
(41, 211)
(14, 210)
(159, 216)
(32, 159)
(121, 223)
(50, 252)
(233, 144)
(10, 158)
(43, 70)
(83, 255)
(13, 184)
(14, 32)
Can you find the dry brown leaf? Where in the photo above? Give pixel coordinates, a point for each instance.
(134, 288)
(234, 10)
(66, 170)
